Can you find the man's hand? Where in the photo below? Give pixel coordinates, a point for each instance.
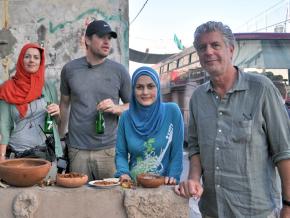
(189, 188)
(285, 212)
(108, 106)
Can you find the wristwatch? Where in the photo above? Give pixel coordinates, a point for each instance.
(285, 202)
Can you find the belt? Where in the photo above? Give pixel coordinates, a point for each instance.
(29, 152)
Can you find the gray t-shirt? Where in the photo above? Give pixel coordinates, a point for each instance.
(86, 86)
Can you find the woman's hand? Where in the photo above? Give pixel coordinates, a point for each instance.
(2, 152)
(169, 181)
(53, 109)
(2, 158)
(125, 178)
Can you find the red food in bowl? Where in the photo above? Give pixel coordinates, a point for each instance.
(71, 180)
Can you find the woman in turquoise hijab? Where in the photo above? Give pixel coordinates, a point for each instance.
(150, 132)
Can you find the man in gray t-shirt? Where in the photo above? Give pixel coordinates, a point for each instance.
(90, 84)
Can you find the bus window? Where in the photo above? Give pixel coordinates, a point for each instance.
(194, 58)
(172, 65)
(183, 61)
(164, 68)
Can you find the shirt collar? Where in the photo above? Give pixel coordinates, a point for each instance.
(240, 84)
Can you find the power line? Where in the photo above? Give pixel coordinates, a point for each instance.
(264, 12)
(273, 25)
(139, 12)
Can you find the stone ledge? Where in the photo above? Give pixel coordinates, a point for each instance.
(90, 202)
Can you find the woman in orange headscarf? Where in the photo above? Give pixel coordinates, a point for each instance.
(26, 98)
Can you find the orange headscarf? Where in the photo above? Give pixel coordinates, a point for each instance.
(24, 87)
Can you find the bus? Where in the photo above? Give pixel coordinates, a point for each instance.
(181, 73)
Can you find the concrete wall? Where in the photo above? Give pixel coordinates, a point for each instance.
(58, 25)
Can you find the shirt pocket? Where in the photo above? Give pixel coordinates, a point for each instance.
(242, 131)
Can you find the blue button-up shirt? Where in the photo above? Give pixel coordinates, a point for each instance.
(240, 138)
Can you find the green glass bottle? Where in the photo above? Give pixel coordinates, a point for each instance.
(100, 123)
(48, 123)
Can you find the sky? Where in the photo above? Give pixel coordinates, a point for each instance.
(155, 26)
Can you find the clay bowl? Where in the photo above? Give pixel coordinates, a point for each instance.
(148, 180)
(71, 180)
(24, 172)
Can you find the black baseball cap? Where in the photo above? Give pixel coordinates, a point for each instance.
(100, 28)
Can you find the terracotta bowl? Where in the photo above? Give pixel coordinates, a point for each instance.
(148, 180)
(24, 172)
(71, 180)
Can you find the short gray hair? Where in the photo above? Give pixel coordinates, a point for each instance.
(214, 26)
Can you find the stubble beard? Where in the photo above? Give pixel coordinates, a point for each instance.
(99, 55)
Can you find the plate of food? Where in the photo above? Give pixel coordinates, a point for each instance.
(105, 183)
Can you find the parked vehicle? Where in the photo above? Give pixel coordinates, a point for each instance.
(288, 99)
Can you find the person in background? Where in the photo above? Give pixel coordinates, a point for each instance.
(91, 84)
(238, 133)
(23, 108)
(283, 91)
(150, 132)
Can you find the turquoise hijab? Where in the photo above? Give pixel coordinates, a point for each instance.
(146, 120)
